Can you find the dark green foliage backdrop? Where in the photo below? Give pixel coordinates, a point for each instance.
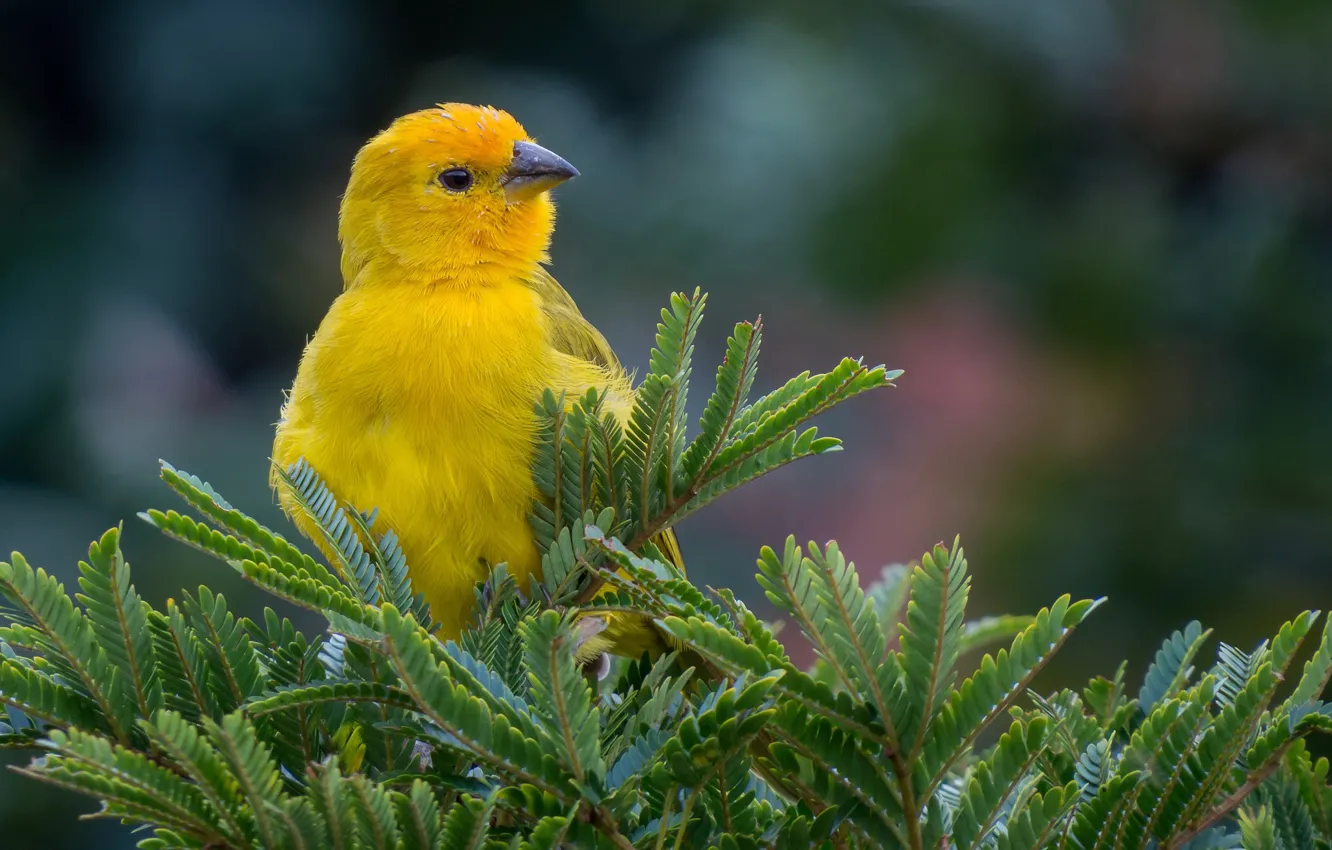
(1095, 235)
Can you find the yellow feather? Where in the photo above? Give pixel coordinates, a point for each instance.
(416, 393)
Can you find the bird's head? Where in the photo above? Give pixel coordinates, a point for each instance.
(455, 194)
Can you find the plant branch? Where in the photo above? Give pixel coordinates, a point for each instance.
(1229, 804)
(672, 512)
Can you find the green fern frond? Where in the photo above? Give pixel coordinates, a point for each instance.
(851, 630)
(736, 805)
(464, 716)
(751, 415)
(236, 552)
(752, 629)
(252, 767)
(234, 674)
(339, 531)
(836, 771)
(773, 441)
(722, 728)
(45, 619)
(672, 359)
(496, 609)
(554, 832)
(987, 631)
(38, 695)
(1214, 838)
(993, 782)
(632, 760)
(1285, 729)
(610, 464)
(300, 824)
(1235, 668)
(350, 617)
(581, 459)
(776, 439)
(467, 825)
(794, 590)
(129, 785)
(26, 738)
(119, 621)
(655, 585)
(1291, 817)
(992, 689)
(1221, 744)
(676, 331)
(164, 839)
(1288, 639)
(418, 817)
(1170, 745)
(1258, 829)
(390, 562)
(651, 707)
(1311, 778)
(1107, 700)
(547, 517)
(1072, 730)
(300, 735)
(182, 664)
(729, 653)
(330, 797)
(580, 480)
(381, 741)
(491, 688)
(192, 754)
(210, 503)
(297, 697)
(373, 807)
(1317, 670)
(1165, 747)
(563, 569)
(562, 698)
(647, 448)
(566, 469)
(735, 378)
(799, 830)
(1098, 822)
(1171, 670)
(1043, 818)
(1094, 768)
(931, 638)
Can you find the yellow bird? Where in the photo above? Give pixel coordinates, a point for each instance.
(416, 394)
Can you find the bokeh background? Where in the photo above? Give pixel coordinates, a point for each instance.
(1097, 235)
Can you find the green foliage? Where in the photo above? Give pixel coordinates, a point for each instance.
(1171, 669)
(562, 698)
(223, 732)
(648, 470)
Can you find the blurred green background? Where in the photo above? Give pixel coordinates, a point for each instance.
(1097, 236)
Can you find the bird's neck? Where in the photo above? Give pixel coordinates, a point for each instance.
(458, 249)
(446, 271)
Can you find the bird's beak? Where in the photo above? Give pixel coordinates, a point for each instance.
(534, 170)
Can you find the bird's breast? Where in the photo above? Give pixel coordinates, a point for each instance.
(432, 391)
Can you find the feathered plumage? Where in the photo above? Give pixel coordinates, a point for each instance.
(416, 394)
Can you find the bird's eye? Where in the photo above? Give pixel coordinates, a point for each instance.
(456, 179)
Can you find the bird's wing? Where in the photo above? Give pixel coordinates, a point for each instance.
(570, 333)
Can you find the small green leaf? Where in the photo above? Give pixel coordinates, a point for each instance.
(1170, 672)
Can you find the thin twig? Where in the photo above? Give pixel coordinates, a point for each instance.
(1230, 803)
